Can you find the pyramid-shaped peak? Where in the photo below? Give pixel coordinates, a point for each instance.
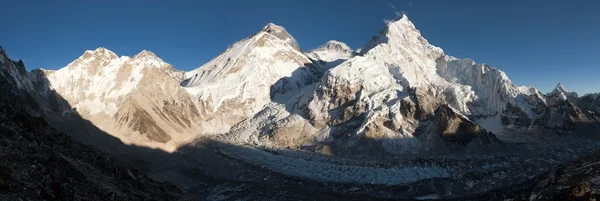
(562, 92)
(560, 87)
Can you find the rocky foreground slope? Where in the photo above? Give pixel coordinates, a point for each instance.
(578, 180)
(39, 163)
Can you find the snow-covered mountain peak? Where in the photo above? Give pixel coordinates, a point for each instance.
(145, 53)
(99, 52)
(331, 54)
(273, 28)
(401, 33)
(560, 88)
(280, 33)
(562, 92)
(95, 59)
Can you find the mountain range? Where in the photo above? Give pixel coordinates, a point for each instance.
(269, 103)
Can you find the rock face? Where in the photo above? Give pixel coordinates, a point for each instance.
(454, 129)
(40, 163)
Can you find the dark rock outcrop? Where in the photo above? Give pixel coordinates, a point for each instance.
(451, 131)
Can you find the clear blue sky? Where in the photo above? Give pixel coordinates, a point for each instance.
(537, 42)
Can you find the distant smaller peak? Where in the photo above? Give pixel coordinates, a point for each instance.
(563, 92)
(560, 87)
(335, 45)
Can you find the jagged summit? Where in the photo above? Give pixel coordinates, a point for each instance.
(102, 58)
(100, 54)
(272, 26)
